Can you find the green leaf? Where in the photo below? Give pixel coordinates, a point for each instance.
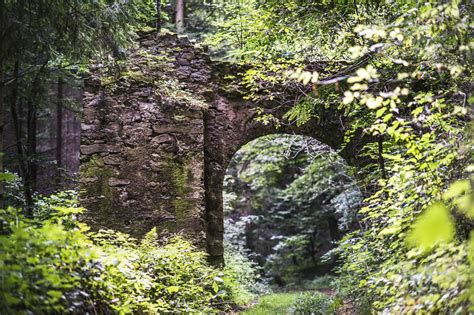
(457, 188)
(433, 227)
(7, 177)
(390, 230)
(305, 77)
(68, 210)
(56, 295)
(380, 112)
(215, 287)
(417, 111)
(172, 289)
(218, 279)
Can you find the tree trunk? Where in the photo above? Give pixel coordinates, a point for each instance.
(16, 121)
(180, 16)
(31, 179)
(17, 126)
(2, 104)
(59, 131)
(2, 125)
(158, 15)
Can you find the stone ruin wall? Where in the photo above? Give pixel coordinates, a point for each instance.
(157, 138)
(142, 151)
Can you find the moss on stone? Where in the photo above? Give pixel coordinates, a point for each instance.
(181, 186)
(94, 169)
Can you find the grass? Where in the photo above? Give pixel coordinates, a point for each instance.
(278, 303)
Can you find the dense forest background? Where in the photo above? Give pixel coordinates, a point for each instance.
(392, 234)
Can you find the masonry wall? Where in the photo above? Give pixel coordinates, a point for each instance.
(142, 147)
(158, 133)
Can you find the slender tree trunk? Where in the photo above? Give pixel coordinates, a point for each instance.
(59, 131)
(31, 179)
(158, 15)
(16, 121)
(312, 251)
(30, 157)
(2, 124)
(2, 95)
(17, 126)
(180, 16)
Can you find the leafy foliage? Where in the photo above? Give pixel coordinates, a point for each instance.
(288, 198)
(242, 276)
(399, 72)
(409, 96)
(406, 87)
(278, 303)
(313, 303)
(290, 29)
(53, 264)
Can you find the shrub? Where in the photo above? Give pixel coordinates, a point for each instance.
(44, 267)
(313, 303)
(53, 264)
(243, 275)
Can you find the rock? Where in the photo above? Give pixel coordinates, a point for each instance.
(145, 106)
(183, 62)
(93, 148)
(88, 180)
(178, 128)
(199, 77)
(184, 70)
(123, 196)
(131, 116)
(164, 138)
(147, 43)
(87, 127)
(112, 131)
(156, 167)
(112, 160)
(188, 56)
(113, 148)
(114, 182)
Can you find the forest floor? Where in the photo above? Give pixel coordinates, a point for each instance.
(276, 303)
(280, 304)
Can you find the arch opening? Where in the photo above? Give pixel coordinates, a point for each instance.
(286, 200)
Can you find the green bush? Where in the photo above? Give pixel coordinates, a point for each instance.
(53, 264)
(243, 275)
(44, 267)
(314, 303)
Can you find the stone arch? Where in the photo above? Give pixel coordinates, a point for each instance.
(229, 125)
(257, 227)
(157, 138)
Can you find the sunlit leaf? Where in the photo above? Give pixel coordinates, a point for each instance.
(457, 188)
(433, 227)
(172, 289)
(215, 287)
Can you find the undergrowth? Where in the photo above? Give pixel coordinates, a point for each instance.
(53, 264)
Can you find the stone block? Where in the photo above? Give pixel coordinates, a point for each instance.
(188, 128)
(114, 182)
(93, 148)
